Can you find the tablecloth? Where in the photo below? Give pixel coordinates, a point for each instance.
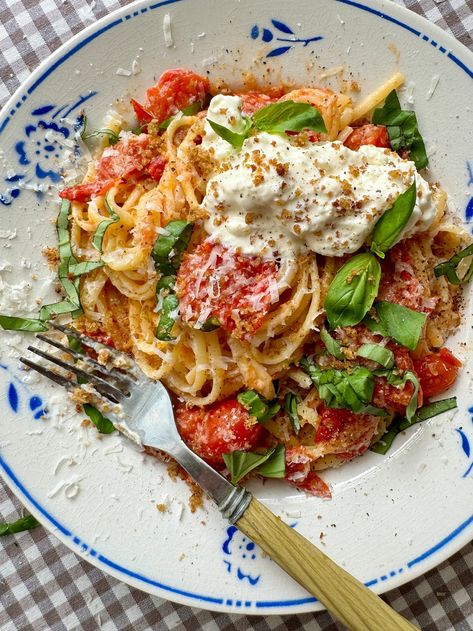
(45, 586)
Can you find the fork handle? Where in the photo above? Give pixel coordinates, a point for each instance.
(344, 596)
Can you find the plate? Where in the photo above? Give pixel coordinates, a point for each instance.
(391, 518)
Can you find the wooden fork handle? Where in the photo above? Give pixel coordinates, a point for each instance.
(344, 596)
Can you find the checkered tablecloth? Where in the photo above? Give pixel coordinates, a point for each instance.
(45, 586)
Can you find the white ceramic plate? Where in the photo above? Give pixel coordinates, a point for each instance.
(391, 518)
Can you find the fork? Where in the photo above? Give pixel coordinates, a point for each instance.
(142, 410)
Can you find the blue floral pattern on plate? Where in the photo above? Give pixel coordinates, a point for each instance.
(51, 130)
(280, 29)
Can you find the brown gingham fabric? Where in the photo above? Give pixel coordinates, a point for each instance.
(46, 587)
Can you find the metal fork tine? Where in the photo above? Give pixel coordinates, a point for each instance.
(124, 380)
(54, 376)
(111, 392)
(98, 346)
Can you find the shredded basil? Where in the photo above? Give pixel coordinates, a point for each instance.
(167, 318)
(112, 135)
(270, 464)
(277, 118)
(402, 128)
(290, 405)
(383, 445)
(97, 239)
(24, 523)
(258, 407)
(342, 389)
(103, 425)
(167, 254)
(377, 353)
(12, 323)
(353, 290)
(67, 262)
(390, 225)
(332, 345)
(169, 248)
(449, 268)
(400, 323)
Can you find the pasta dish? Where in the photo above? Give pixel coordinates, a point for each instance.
(278, 259)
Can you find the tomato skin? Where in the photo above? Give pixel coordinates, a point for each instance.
(300, 475)
(331, 423)
(132, 156)
(369, 134)
(226, 287)
(399, 283)
(437, 371)
(254, 100)
(156, 167)
(219, 429)
(174, 90)
(390, 397)
(84, 192)
(141, 113)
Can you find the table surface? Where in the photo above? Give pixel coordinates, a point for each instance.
(45, 586)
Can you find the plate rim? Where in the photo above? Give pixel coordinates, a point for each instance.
(453, 541)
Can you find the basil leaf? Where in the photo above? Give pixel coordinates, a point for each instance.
(390, 225)
(448, 268)
(383, 445)
(190, 110)
(12, 323)
(240, 463)
(258, 407)
(24, 523)
(374, 326)
(84, 267)
(402, 324)
(234, 138)
(402, 129)
(166, 282)
(67, 260)
(377, 353)
(104, 425)
(277, 118)
(275, 465)
(429, 411)
(353, 290)
(331, 345)
(341, 389)
(97, 239)
(211, 324)
(168, 249)
(112, 136)
(290, 405)
(167, 319)
(412, 405)
(75, 344)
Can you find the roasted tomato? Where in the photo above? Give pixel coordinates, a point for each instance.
(175, 90)
(132, 157)
(400, 284)
(236, 289)
(219, 429)
(254, 100)
(376, 135)
(437, 371)
(390, 397)
(299, 473)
